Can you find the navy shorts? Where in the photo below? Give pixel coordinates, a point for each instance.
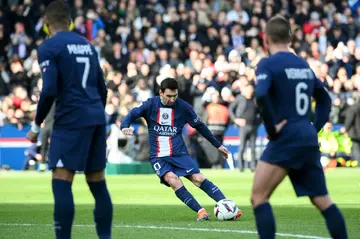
(82, 149)
(181, 166)
(304, 168)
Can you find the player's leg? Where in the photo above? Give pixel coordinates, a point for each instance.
(184, 195)
(103, 211)
(267, 178)
(181, 192)
(169, 173)
(64, 208)
(199, 180)
(309, 180)
(66, 153)
(335, 221)
(95, 177)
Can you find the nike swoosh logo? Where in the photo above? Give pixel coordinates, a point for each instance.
(188, 171)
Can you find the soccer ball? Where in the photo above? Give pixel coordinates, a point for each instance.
(226, 209)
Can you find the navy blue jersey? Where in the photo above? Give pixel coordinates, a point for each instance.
(73, 77)
(285, 87)
(165, 124)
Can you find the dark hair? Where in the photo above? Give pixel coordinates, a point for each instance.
(58, 13)
(278, 29)
(169, 83)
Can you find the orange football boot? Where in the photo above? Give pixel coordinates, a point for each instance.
(238, 214)
(202, 215)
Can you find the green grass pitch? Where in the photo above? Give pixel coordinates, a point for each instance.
(145, 209)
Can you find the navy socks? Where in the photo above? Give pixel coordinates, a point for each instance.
(189, 200)
(213, 191)
(63, 208)
(265, 221)
(103, 212)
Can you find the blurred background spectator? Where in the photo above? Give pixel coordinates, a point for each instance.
(203, 44)
(245, 115)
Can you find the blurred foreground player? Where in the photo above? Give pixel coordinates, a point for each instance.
(166, 116)
(285, 85)
(72, 76)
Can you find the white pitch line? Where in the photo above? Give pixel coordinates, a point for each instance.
(168, 228)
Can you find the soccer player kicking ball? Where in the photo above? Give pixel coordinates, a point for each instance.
(166, 116)
(72, 76)
(285, 85)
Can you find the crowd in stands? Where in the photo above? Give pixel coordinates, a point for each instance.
(211, 47)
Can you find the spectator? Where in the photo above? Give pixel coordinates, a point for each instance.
(352, 127)
(328, 145)
(244, 113)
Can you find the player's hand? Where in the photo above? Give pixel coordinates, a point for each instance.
(280, 125)
(128, 131)
(224, 151)
(32, 136)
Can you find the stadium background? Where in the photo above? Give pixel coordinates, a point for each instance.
(208, 46)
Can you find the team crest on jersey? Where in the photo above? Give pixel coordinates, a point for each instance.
(165, 116)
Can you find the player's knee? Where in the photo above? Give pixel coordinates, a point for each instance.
(173, 180)
(63, 174)
(258, 198)
(95, 176)
(321, 202)
(197, 179)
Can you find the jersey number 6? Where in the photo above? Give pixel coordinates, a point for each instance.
(302, 99)
(86, 61)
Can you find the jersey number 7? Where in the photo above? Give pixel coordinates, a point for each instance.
(86, 61)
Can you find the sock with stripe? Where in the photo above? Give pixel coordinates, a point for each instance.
(189, 200)
(212, 190)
